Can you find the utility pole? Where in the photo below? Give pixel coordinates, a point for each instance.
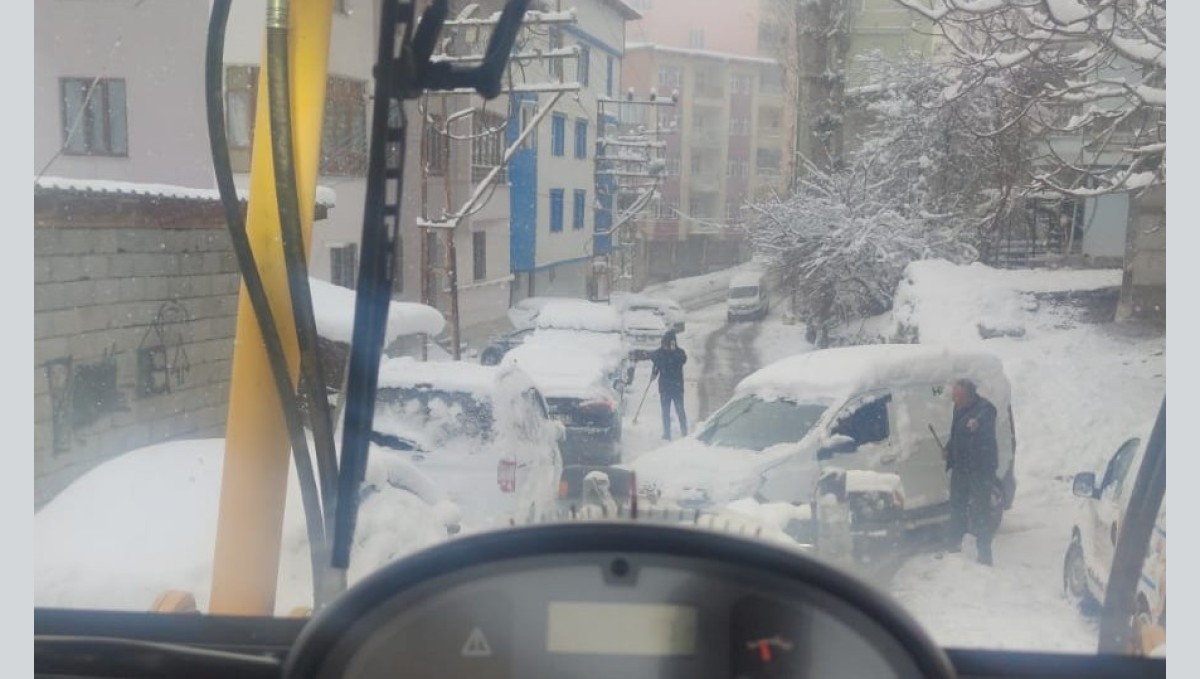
(466, 36)
(629, 172)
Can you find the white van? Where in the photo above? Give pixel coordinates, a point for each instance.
(747, 296)
(881, 408)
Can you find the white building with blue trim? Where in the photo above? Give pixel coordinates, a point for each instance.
(552, 181)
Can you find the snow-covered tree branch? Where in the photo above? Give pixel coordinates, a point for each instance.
(1092, 76)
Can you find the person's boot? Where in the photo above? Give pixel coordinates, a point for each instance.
(985, 556)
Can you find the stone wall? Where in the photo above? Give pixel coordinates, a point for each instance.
(134, 316)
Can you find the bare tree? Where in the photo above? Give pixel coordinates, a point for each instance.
(1092, 83)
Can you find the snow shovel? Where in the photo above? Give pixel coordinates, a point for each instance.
(643, 401)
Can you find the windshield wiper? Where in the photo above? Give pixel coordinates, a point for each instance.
(402, 72)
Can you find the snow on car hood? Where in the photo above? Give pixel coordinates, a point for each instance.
(691, 473)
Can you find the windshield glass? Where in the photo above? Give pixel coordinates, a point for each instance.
(949, 222)
(752, 423)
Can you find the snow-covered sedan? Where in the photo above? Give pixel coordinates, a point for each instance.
(644, 331)
(1090, 552)
(668, 310)
(482, 434)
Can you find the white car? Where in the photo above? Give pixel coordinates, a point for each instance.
(524, 313)
(668, 310)
(644, 331)
(1090, 552)
(878, 408)
(591, 327)
(482, 434)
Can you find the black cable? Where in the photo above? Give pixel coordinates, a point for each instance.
(282, 154)
(252, 279)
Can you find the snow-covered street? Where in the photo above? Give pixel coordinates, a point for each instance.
(1079, 390)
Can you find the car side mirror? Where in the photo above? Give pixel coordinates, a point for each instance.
(836, 445)
(1084, 485)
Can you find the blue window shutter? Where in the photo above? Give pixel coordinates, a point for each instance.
(581, 133)
(577, 218)
(585, 64)
(556, 210)
(558, 133)
(608, 88)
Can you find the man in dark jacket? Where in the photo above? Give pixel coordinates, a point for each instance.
(668, 363)
(971, 459)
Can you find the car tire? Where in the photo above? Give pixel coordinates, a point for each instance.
(1075, 578)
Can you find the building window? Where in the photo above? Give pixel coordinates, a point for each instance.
(479, 254)
(487, 148)
(670, 76)
(580, 204)
(739, 126)
(696, 38)
(555, 41)
(436, 149)
(93, 117)
(697, 162)
(529, 110)
(733, 210)
(558, 134)
(344, 134)
(737, 168)
(343, 264)
(741, 83)
(609, 76)
(556, 210)
(668, 207)
(585, 65)
(241, 93)
(768, 161)
(581, 138)
(770, 119)
(673, 166)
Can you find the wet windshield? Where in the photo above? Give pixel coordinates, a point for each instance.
(755, 424)
(954, 212)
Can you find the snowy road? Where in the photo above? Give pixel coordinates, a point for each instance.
(1079, 390)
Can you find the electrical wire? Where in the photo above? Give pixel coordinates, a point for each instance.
(283, 157)
(252, 279)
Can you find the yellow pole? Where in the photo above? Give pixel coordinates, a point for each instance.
(254, 480)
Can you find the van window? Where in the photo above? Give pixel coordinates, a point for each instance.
(1118, 469)
(743, 292)
(867, 422)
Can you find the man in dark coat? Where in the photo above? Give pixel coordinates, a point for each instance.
(971, 459)
(668, 362)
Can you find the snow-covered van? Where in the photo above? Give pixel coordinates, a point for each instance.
(881, 408)
(747, 296)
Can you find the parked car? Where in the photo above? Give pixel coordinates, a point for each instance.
(524, 313)
(747, 297)
(595, 328)
(872, 408)
(644, 331)
(579, 394)
(668, 310)
(1092, 546)
(483, 434)
(502, 344)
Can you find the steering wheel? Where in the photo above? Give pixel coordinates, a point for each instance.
(591, 599)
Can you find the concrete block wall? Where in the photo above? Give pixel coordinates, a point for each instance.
(103, 294)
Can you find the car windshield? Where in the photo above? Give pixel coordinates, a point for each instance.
(924, 240)
(756, 424)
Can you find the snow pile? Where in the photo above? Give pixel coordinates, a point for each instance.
(777, 514)
(560, 372)
(469, 378)
(698, 290)
(938, 301)
(146, 522)
(609, 347)
(325, 196)
(334, 309)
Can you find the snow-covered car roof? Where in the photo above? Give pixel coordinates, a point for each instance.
(629, 300)
(746, 279)
(523, 313)
(844, 371)
(644, 320)
(609, 347)
(579, 315)
(471, 378)
(561, 372)
(333, 307)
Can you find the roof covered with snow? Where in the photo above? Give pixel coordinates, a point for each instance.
(709, 54)
(458, 376)
(842, 372)
(334, 309)
(326, 197)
